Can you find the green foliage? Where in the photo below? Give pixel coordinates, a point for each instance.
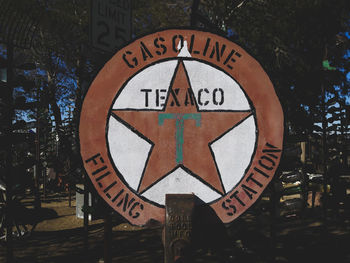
(291, 39)
(151, 15)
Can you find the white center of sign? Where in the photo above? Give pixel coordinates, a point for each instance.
(212, 91)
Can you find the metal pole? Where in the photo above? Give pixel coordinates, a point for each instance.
(107, 236)
(273, 210)
(69, 185)
(324, 136)
(69, 196)
(324, 147)
(44, 171)
(194, 9)
(86, 216)
(37, 156)
(8, 165)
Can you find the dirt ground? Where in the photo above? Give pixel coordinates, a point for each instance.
(58, 237)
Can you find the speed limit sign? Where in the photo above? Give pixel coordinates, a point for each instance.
(110, 24)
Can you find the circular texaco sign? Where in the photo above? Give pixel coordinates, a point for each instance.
(181, 111)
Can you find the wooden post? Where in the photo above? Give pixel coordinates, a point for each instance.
(178, 227)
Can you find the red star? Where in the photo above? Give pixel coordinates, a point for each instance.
(198, 158)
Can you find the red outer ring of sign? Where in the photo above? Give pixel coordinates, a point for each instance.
(95, 111)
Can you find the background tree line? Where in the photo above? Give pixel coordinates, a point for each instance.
(302, 44)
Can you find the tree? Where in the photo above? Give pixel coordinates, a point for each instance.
(151, 15)
(291, 40)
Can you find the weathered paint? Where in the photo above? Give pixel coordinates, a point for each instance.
(181, 111)
(179, 133)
